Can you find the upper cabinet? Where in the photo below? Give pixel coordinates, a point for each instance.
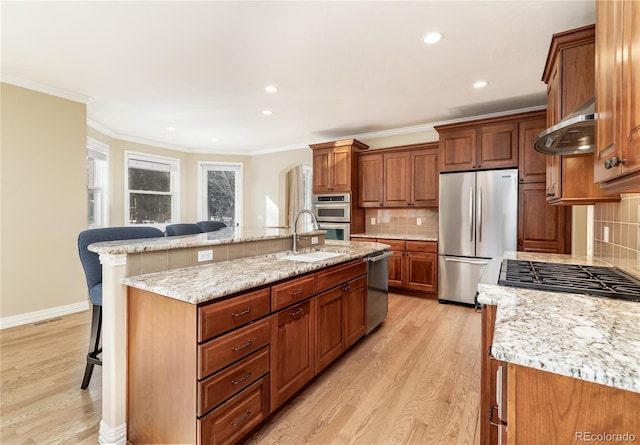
(478, 145)
(570, 78)
(617, 155)
(405, 176)
(333, 164)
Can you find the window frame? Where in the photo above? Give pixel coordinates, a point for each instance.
(174, 186)
(99, 151)
(205, 166)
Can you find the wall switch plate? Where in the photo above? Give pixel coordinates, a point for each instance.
(314, 240)
(373, 221)
(605, 235)
(205, 255)
(419, 221)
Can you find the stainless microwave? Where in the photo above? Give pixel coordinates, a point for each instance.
(332, 208)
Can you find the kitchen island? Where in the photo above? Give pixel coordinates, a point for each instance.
(242, 259)
(573, 361)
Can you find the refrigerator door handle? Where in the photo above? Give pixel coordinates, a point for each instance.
(456, 260)
(471, 214)
(480, 215)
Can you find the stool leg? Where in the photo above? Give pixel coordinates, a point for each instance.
(94, 345)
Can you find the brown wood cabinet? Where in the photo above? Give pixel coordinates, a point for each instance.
(570, 77)
(478, 145)
(617, 154)
(405, 176)
(413, 265)
(488, 370)
(333, 166)
(541, 226)
(210, 373)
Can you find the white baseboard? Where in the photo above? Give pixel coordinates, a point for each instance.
(45, 314)
(112, 435)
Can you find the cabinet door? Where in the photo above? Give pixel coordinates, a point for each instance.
(370, 174)
(421, 271)
(498, 146)
(341, 166)
(397, 179)
(330, 335)
(553, 116)
(355, 302)
(396, 269)
(541, 226)
(532, 165)
(488, 432)
(630, 140)
(322, 170)
(292, 351)
(424, 178)
(458, 150)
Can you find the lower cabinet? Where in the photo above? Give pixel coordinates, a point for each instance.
(413, 265)
(488, 371)
(210, 374)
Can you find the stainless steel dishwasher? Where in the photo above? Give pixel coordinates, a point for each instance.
(377, 288)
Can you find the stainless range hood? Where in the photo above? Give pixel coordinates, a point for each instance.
(575, 134)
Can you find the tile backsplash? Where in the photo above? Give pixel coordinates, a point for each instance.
(616, 232)
(402, 221)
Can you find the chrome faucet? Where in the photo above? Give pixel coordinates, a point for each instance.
(295, 226)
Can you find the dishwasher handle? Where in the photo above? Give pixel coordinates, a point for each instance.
(379, 257)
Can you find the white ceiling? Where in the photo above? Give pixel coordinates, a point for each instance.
(343, 69)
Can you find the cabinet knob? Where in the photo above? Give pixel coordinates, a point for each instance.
(614, 162)
(381, 204)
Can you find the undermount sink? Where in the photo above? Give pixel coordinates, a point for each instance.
(311, 257)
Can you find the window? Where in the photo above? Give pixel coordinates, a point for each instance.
(220, 192)
(151, 189)
(97, 184)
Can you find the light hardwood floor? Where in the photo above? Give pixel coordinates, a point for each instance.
(415, 380)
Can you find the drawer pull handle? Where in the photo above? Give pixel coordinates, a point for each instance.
(245, 377)
(298, 312)
(298, 292)
(238, 348)
(346, 288)
(499, 423)
(247, 413)
(240, 314)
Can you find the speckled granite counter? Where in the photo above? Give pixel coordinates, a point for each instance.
(396, 236)
(223, 236)
(590, 338)
(199, 284)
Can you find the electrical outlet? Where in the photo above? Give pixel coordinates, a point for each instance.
(419, 221)
(314, 240)
(605, 235)
(205, 255)
(373, 221)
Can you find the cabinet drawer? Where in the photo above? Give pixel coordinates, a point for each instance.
(219, 387)
(422, 246)
(236, 417)
(222, 351)
(340, 274)
(218, 318)
(286, 294)
(396, 244)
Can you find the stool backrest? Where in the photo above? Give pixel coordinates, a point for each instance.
(183, 229)
(211, 226)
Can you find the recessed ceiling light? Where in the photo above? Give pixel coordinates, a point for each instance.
(271, 88)
(214, 139)
(433, 37)
(171, 128)
(267, 112)
(480, 84)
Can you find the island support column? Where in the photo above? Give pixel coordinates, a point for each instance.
(113, 426)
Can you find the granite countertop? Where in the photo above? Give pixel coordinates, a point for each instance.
(226, 235)
(396, 236)
(199, 284)
(590, 338)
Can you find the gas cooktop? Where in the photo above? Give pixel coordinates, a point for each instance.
(591, 280)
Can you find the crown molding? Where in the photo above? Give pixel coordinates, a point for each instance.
(23, 83)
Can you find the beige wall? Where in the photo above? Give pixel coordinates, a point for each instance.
(43, 201)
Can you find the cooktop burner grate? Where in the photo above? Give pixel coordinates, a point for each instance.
(592, 280)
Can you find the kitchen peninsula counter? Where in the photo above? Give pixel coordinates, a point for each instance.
(590, 338)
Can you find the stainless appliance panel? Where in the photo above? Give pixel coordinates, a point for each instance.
(496, 212)
(332, 208)
(377, 289)
(336, 231)
(457, 214)
(458, 278)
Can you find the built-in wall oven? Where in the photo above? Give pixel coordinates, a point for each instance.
(334, 215)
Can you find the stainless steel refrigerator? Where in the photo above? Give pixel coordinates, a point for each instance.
(478, 220)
